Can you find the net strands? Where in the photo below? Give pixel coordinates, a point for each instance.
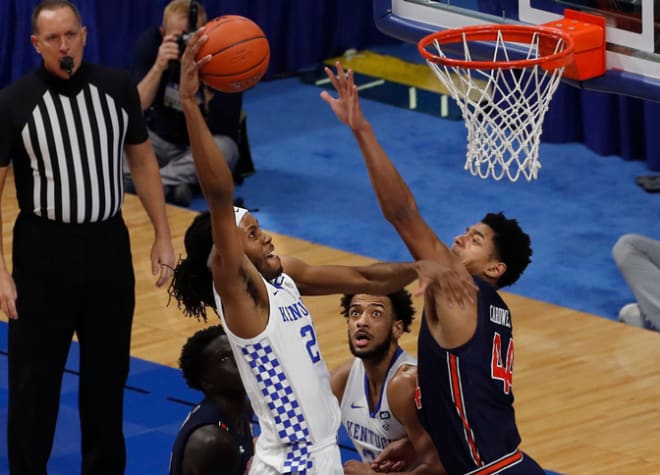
(503, 106)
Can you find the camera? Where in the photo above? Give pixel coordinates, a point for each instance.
(182, 40)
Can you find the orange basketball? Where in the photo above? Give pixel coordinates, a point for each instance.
(240, 51)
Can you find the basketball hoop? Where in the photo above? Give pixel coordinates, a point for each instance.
(503, 100)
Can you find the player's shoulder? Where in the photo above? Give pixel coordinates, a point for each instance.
(404, 379)
(285, 281)
(210, 445)
(486, 290)
(209, 436)
(406, 371)
(291, 265)
(296, 273)
(401, 389)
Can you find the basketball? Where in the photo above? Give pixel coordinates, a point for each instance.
(240, 51)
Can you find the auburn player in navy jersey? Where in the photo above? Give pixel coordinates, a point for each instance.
(216, 437)
(465, 346)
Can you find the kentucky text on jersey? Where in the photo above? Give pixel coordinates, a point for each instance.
(294, 312)
(363, 434)
(500, 316)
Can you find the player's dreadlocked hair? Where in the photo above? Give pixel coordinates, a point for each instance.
(192, 283)
(512, 245)
(401, 305)
(191, 360)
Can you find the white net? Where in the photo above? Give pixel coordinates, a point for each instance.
(503, 108)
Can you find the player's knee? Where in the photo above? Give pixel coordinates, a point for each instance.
(623, 248)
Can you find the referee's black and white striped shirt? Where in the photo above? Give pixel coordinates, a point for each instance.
(65, 139)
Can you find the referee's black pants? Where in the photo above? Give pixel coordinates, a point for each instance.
(69, 278)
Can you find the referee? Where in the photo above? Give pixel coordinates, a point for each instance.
(64, 128)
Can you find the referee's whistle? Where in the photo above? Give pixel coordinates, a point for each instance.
(66, 63)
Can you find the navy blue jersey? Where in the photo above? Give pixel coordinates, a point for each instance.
(207, 413)
(465, 398)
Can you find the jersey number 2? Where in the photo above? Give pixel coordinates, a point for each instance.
(499, 368)
(307, 332)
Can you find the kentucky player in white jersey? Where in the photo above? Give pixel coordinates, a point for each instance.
(288, 384)
(376, 389)
(270, 329)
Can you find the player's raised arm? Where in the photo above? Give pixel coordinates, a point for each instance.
(214, 176)
(400, 208)
(233, 273)
(396, 200)
(380, 278)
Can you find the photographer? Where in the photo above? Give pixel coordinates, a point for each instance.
(156, 70)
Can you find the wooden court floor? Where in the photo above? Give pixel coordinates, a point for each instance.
(587, 389)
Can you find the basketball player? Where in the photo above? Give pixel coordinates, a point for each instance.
(215, 438)
(257, 293)
(465, 346)
(376, 389)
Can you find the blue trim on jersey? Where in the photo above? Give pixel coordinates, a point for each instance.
(278, 281)
(376, 410)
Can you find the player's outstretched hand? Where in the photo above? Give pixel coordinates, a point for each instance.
(347, 104)
(189, 80)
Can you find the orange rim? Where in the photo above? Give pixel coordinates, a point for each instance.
(510, 33)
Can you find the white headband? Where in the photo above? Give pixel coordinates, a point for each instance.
(239, 213)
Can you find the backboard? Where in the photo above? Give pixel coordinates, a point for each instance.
(632, 32)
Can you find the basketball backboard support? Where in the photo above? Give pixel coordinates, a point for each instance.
(632, 32)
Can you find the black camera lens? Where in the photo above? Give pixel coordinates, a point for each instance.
(182, 41)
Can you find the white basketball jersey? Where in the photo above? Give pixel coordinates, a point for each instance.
(370, 431)
(288, 383)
